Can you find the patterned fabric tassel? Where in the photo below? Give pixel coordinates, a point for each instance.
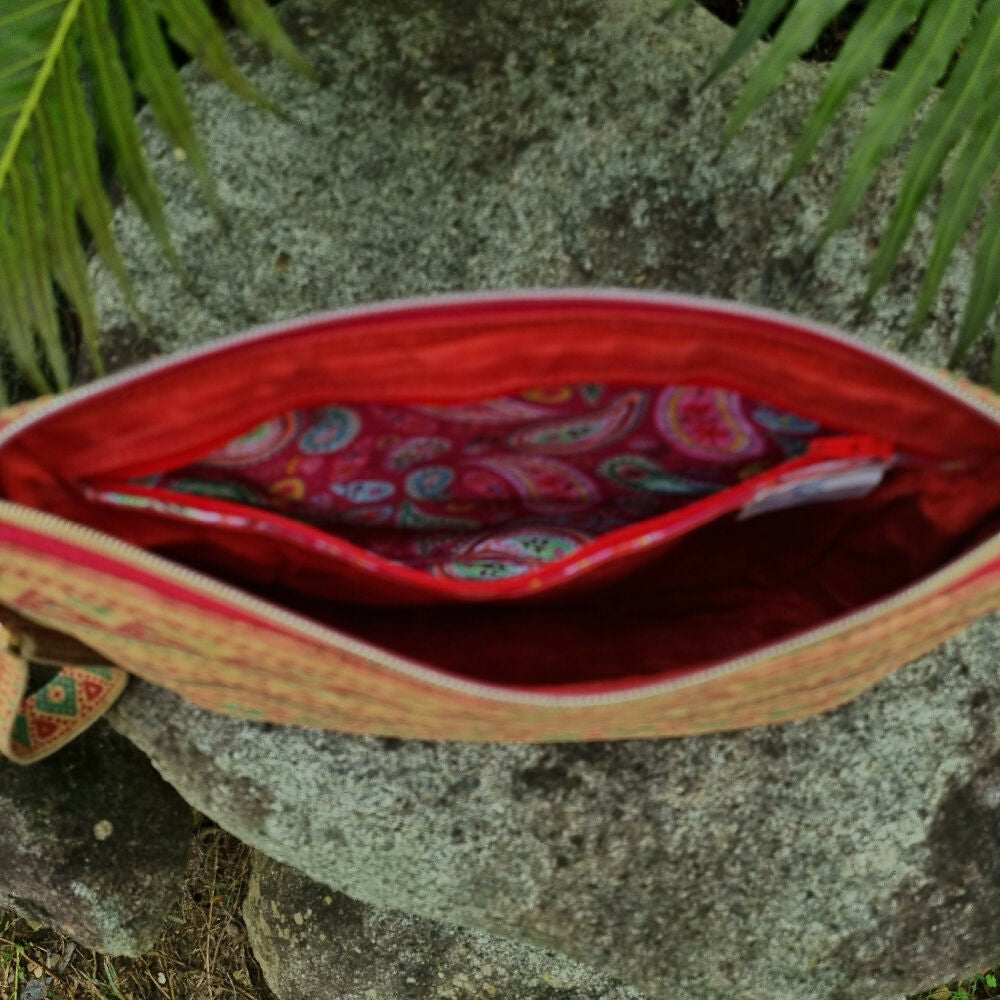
(33, 727)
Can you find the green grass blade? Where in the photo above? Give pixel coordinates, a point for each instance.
(114, 102)
(79, 165)
(38, 313)
(259, 20)
(68, 261)
(756, 19)
(977, 162)
(798, 33)
(197, 32)
(944, 25)
(874, 33)
(36, 270)
(985, 290)
(970, 82)
(15, 310)
(157, 79)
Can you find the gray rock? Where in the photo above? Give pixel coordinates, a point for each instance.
(93, 842)
(312, 942)
(462, 146)
(458, 146)
(847, 856)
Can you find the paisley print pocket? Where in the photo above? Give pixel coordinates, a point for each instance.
(493, 488)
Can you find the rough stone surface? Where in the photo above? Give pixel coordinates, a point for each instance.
(458, 146)
(497, 144)
(849, 856)
(312, 942)
(93, 842)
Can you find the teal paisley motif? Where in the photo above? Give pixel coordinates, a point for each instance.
(234, 492)
(415, 450)
(637, 472)
(484, 569)
(412, 517)
(335, 428)
(364, 490)
(785, 423)
(511, 552)
(432, 483)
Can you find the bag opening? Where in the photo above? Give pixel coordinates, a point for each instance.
(686, 460)
(700, 585)
(722, 590)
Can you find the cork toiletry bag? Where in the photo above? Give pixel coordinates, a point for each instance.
(522, 516)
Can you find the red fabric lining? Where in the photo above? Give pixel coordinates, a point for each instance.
(725, 590)
(720, 591)
(457, 352)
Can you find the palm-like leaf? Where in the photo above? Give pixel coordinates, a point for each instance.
(985, 291)
(944, 26)
(50, 178)
(965, 115)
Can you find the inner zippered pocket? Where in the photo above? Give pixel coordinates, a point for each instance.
(506, 497)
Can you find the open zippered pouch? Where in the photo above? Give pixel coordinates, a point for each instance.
(529, 516)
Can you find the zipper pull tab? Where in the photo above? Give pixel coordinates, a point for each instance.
(841, 468)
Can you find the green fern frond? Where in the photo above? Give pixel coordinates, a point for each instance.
(866, 47)
(944, 26)
(50, 178)
(115, 107)
(259, 20)
(985, 290)
(152, 71)
(950, 118)
(798, 33)
(757, 18)
(959, 118)
(967, 181)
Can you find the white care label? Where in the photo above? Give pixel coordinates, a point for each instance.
(838, 480)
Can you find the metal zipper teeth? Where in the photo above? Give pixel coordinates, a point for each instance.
(29, 518)
(609, 296)
(429, 675)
